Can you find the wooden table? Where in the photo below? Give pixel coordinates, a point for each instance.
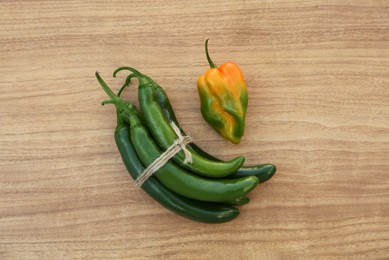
(318, 79)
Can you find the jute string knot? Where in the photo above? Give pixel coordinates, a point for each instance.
(178, 145)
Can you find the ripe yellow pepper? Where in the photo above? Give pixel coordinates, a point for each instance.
(223, 97)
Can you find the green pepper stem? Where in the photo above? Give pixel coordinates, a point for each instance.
(127, 68)
(105, 87)
(109, 101)
(128, 81)
(143, 79)
(117, 101)
(211, 64)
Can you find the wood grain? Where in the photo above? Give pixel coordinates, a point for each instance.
(318, 79)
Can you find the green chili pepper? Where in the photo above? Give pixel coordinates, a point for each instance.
(164, 135)
(263, 172)
(223, 97)
(173, 177)
(195, 210)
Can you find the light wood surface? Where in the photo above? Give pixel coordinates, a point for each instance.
(318, 79)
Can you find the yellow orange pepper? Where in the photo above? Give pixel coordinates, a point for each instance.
(223, 97)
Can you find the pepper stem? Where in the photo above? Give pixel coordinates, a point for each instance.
(128, 81)
(127, 68)
(117, 101)
(143, 79)
(105, 87)
(211, 64)
(109, 101)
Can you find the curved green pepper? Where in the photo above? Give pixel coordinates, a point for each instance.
(224, 98)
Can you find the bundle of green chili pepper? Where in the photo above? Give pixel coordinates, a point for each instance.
(206, 189)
